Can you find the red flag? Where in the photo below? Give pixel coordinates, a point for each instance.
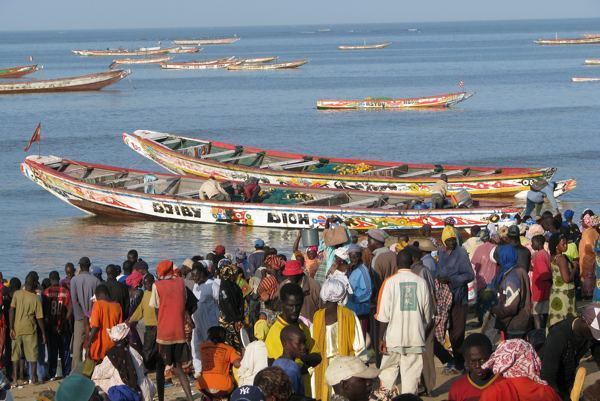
(36, 137)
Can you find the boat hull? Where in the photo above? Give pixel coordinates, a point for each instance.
(575, 41)
(88, 82)
(365, 47)
(99, 200)
(259, 66)
(582, 79)
(134, 61)
(444, 100)
(504, 185)
(18, 72)
(205, 42)
(124, 52)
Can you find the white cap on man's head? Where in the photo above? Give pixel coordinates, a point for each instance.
(344, 367)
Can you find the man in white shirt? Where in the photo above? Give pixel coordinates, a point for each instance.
(404, 309)
(212, 190)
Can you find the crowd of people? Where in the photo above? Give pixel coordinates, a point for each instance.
(355, 317)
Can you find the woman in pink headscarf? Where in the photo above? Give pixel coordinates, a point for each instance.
(587, 257)
(519, 365)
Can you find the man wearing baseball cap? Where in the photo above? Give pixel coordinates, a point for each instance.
(247, 393)
(567, 342)
(350, 378)
(256, 258)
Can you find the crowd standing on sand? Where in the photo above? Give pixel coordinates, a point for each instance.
(353, 318)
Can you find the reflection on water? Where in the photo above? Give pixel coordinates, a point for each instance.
(108, 240)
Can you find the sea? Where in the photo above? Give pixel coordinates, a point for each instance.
(525, 112)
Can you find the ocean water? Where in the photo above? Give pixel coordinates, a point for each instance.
(526, 112)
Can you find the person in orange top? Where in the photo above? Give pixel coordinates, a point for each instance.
(519, 365)
(105, 314)
(587, 257)
(217, 359)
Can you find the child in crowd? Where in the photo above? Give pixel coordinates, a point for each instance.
(217, 360)
(294, 347)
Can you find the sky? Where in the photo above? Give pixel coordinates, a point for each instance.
(117, 14)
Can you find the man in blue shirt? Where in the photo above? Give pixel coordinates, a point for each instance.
(362, 288)
(294, 347)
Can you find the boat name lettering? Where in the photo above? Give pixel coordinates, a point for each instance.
(166, 208)
(292, 218)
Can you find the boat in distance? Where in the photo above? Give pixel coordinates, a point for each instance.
(200, 64)
(87, 82)
(591, 35)
(584, 79)
(592, 61)
(128, 193)
(445, 100)
(147, 60)
(185, 50)
(186, 155)
(365, 46)
(266, 66)
(569, 41)
(18, 72)
(204, 42)
(260, 59)
(143, 51)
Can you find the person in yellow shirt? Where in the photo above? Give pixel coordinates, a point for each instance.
(148, 315)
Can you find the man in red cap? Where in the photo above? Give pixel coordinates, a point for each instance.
(168, 298)
(294, 273)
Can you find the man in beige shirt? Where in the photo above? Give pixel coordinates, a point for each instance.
(212, 190)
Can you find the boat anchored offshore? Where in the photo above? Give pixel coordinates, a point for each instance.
(365, 46)
(142, 51)
(186, 155)
(149, 60)
(206, 42)
(127, 193)
(570, 41)
(266, 66)
(445, 100)
(87, 82)
(584, 79)
(200, 64)
(18, 72)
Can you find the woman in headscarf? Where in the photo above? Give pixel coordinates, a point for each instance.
(562, 294)
(231, 303)
(519, 365)
(207, 313)
(337, 332)
(587, 257)
(122, 369)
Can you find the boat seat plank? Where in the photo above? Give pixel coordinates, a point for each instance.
(378, 170)
(231, 159)
(218, 154)
(143, 184)
(171, 141)
(325, 198)
(304, 164)
(281, 163)
(104, 177)
(361, 202)
(449, 173)
(489, 172)
(417, 173)
(189, 193)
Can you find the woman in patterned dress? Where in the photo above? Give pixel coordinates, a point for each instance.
(562, 295)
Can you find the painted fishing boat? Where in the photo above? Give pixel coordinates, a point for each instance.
(185, 155)
(570, 41)
(259, 60)
(87, 82)
(204, 42)
(200, 65)
(591, 35)
(592, 61)
(127, 193)
(584, 79)
(143, 51)
(445, 100)
(148, 60)
(185, 50)
(18, 72)
(365, 46)
(262, 66)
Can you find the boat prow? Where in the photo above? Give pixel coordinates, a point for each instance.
(87, 82)
(18, 72)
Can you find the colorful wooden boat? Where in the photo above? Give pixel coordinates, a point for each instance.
(259, 60)
(445, 100)
(593, 61)
(128, 193)
(87, 82)
(143, 51)
(148, 60)
(365, 46)
(262, 66)
(584, 79)
(200, 64)
(185, 155)
(204, 42)
(571, 41)
(185, 50)
(18, 72)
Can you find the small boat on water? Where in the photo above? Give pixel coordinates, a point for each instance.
(583, 79)
(192, 156)
(570, 41)
(137, 194)
(593, 61)
(18, 72)
(263, 66)
(87, 82)
(365, 46)
(204, 42)
(444, 100)
(142, 51)
(200, 64)
(148, 60)
(591, 35)
(259, 60)
(185, 50)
